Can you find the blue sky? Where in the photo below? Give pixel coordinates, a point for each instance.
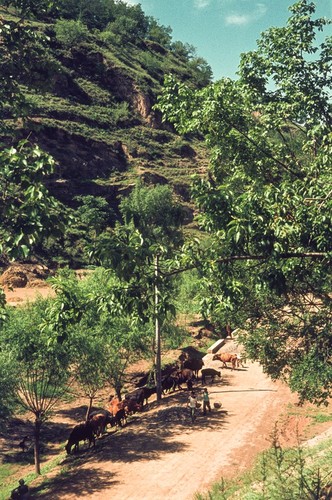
(222, 29)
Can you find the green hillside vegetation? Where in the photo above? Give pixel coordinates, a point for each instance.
(88, 81)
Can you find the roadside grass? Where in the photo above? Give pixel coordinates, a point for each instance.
(7, 470)
(297, 473)
(10, 470)
(322, 417)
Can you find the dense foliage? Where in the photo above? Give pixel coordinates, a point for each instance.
(151, 227)
(81, 340)
(73, 76)
(267, 201)
(27, 211)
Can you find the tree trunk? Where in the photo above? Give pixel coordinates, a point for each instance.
(118, 388)
(38, 424)
(89, 409)
(157, 333)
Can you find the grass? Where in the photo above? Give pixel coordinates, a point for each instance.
(7, 470)
(96, 115)
(10, 470)
(292, 474)
(322, 417)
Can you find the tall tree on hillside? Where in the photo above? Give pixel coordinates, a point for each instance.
(267, 201)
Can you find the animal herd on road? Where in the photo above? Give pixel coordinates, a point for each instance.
(173, 377)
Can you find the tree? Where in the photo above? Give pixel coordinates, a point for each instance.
(20, 48)
(41, 366)
(159, 33)
(202, 71)
(70, 32)
(127, 340)
(8, 377)
(267, 201)
(130, 23)
(28, 8)
(183, 50)
(27, 212)
(90, 317)
(155, 213)
(151, 227)
(90, 365)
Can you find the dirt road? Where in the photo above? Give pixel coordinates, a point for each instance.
(160, 455)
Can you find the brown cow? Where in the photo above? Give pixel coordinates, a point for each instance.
(184, 376)
(108, 419)
(226, 357)
(118, 409)
(131, 406)
(115, 406)
(326, 492)
(240, 361)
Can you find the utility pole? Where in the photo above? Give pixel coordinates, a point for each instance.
(157, 329)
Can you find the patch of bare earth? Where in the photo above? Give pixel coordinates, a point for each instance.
(24, 283)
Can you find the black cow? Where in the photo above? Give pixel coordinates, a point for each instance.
(80, 432)
(142, 394)
(168, 383)
(194, 364)
(209, 372)
(120, 418)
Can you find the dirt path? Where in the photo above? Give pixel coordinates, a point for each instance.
(161, 455)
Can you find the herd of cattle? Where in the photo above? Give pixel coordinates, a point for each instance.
(173, 377)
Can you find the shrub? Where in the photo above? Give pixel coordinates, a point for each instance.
(71, 32)
(150, 63)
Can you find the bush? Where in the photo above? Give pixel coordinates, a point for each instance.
(71, 32)
(150, 63)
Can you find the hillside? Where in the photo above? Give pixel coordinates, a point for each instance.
(89, 96)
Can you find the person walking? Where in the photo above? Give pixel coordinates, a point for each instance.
(206, 401)
(192, 406)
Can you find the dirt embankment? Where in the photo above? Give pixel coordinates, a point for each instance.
(25, 282)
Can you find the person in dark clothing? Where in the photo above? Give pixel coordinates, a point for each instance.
(21, 492)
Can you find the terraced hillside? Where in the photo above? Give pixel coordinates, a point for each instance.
(90, 104)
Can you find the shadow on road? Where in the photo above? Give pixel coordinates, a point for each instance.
(132, 446)
(76, 413)
(79, 482)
